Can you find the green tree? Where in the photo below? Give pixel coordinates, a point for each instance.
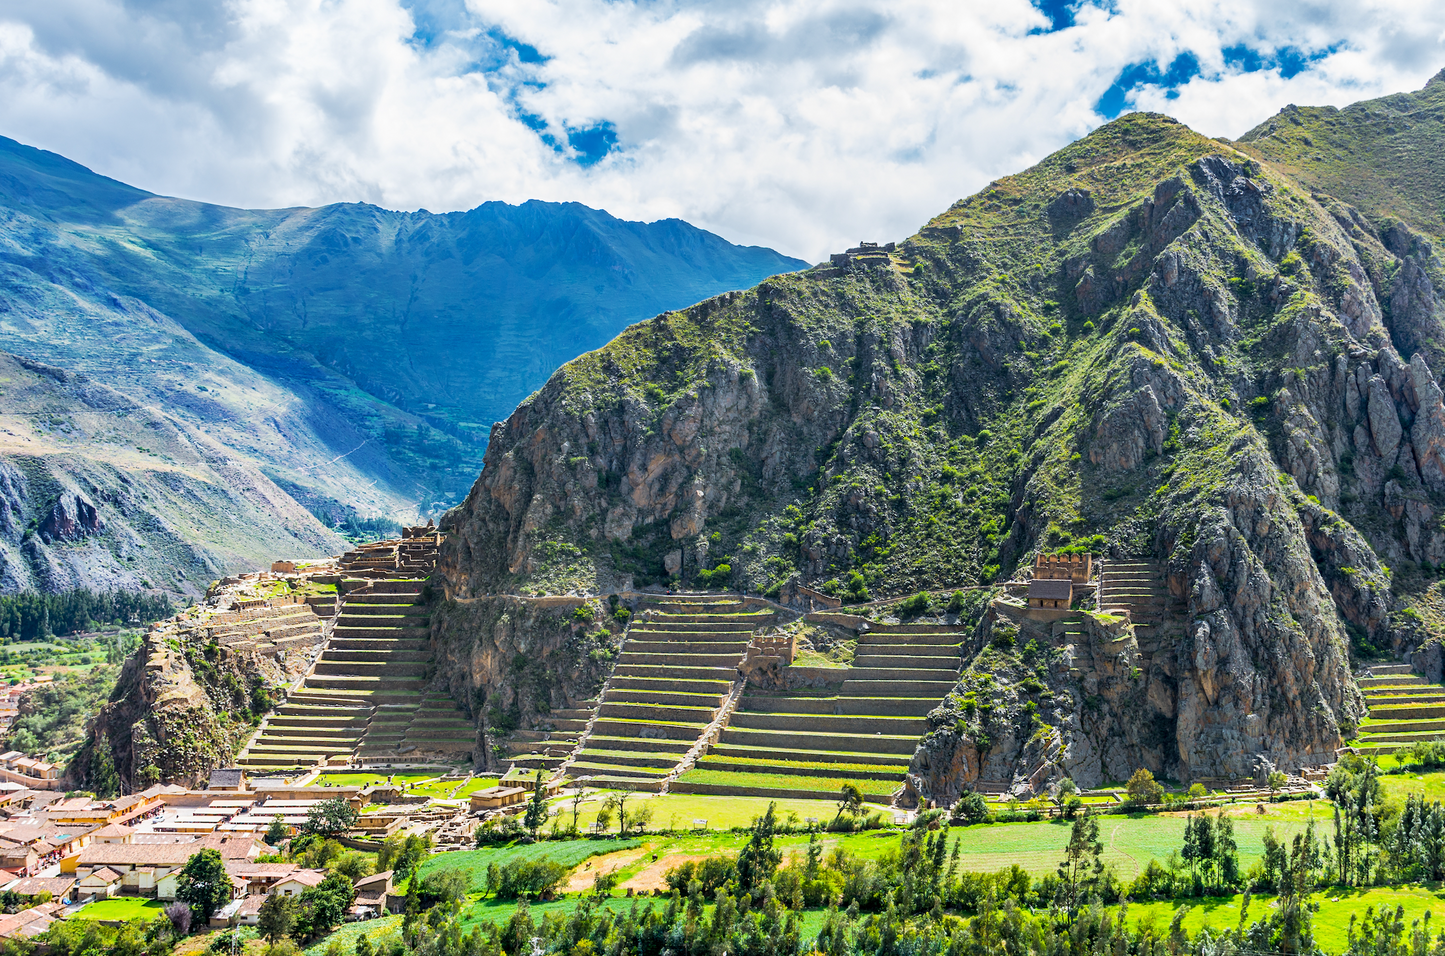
(1081, 866)
(1142, 788)
(537, 807)
(277, 832)
(277, 917)
(850, 801)
(321, 908)
(203, 884)
(758, 860)
(330, 818)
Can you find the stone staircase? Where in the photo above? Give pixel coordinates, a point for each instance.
(1404, 708)
(863, 730)
(678, 665)
(366, 696)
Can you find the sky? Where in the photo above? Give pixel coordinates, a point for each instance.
(805, 126)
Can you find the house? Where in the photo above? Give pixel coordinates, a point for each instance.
(1051, 593)
(145, 865)
(244, 911)
(31, 922)
(59, 887)
(113, 833)
(260, 878)
(298, 882)
(231, 778)
(493, 798)
(371, 894)
(99, 884)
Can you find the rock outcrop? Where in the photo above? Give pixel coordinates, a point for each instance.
(1152, 344)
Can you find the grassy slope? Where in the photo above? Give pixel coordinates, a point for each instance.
(1381, 156)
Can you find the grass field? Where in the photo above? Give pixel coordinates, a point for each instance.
(385, 928)
(1401, 785)
(368, 779)
(778, 781)
(442, 789)
(474, 862)
(1331, 923)
(121, 908)
(677, 811)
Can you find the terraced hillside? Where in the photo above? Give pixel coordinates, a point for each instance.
(366, 696)
(862, 730)
(1403, 708)
(1139, 589)
(677, 668)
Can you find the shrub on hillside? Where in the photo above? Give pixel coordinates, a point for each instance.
(916, 605)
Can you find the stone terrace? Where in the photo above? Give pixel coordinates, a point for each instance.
(1404, 708)
(810, 742)
(366, 697)
(677, 669)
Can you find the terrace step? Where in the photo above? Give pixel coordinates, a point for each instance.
(814, 741)
(856, 726)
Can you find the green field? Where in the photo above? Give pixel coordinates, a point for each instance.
(474, 862)
(1331, 923)
(368, 779)
(1400, 785)
(778, 781)
(121, 908)
(677, 811)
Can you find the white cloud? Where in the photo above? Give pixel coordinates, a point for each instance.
(802, 125)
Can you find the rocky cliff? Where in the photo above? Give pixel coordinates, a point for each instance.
(198, 686)
(1150, 345)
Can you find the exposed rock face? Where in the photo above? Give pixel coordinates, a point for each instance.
(1153, 342)
(511, 661)
(71, 518)
(184, 703)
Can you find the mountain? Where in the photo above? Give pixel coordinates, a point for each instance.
(352, 356)
(1218, 360)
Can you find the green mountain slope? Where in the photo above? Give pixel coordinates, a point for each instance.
(1152, 345)
(354, 355)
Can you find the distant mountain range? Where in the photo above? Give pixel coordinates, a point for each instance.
(347, 358)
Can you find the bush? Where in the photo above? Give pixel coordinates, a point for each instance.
(584, 614)
(1143, 789)
(622, 615)
(955, 602)
(1424, 753)
(916, 605)
(526, 878)
(971, 808)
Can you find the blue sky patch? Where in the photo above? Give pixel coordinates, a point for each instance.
(1116, 98)
(1059, 12)
(1288, 60)
(592, 143)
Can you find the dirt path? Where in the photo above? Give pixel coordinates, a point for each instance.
(652, 876)
(581, 878)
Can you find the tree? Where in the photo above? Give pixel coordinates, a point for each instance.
(330, 818)
(616, 802)
(323, 907)
(577, 807)
(537, 808)
(757, 860)
(970, 808)
(850, 801)
(203, 884)
(180, 916)
(277, 917)
(1143, 788)
(1081, 866)
(1277, 781)
(277, 832)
